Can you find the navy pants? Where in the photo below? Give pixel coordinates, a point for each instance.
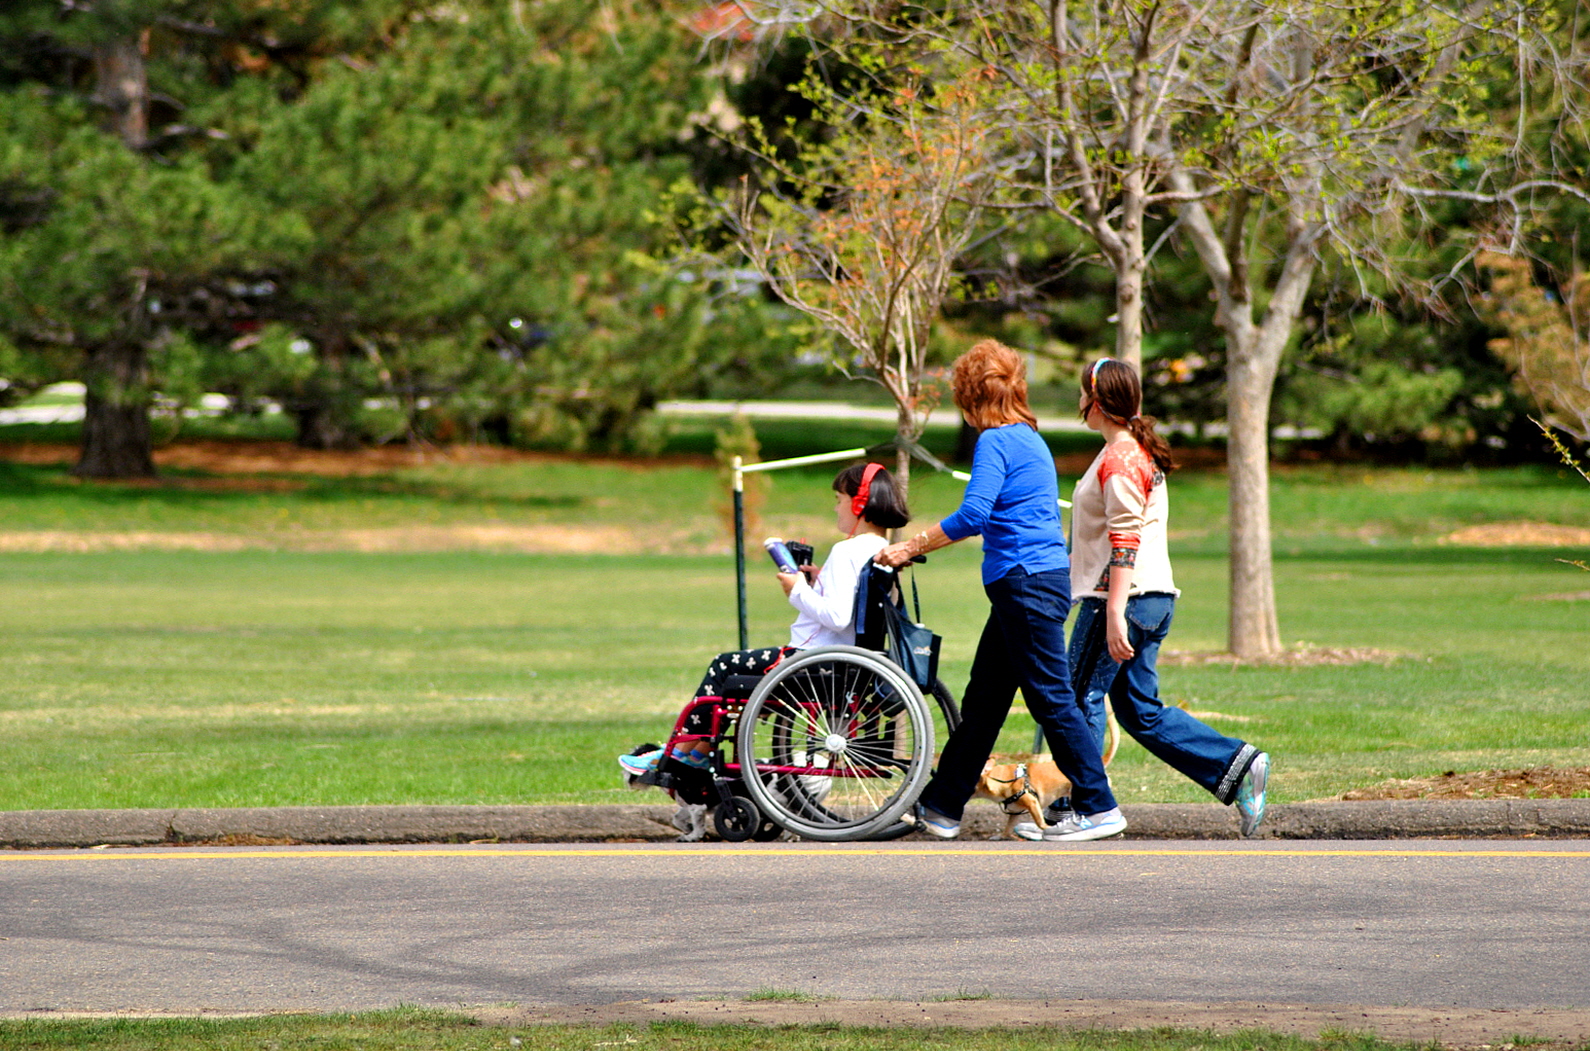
(1023, 645)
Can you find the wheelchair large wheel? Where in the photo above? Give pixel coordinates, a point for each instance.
(949, 711)
(946, 717)
(835, 744)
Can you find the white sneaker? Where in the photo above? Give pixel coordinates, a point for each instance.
(1027, 830)
(932, 822)
(1075, 828)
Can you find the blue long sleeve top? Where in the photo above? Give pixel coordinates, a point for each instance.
(1012, 500)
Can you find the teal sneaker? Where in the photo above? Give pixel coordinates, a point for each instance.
(1250, 794)
(693, 759)
(636, 765)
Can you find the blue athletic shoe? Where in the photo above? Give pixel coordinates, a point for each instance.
(635, 765)
(1250, 794)
(693, 759)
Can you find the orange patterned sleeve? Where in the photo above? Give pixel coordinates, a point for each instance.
(1127, 478)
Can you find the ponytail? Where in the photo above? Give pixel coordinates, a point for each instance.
(1142, 428)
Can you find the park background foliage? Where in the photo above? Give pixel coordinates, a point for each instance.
(411, 221)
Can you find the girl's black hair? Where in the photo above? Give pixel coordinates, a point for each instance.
(885, 506)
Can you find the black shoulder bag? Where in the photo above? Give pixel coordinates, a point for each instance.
(912, 645)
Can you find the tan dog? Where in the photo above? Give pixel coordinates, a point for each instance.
(1023, 786)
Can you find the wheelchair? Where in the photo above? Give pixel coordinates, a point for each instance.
(833, 744)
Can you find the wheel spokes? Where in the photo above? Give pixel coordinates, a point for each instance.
(834, 743)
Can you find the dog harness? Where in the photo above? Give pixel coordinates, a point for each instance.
(1026, 790)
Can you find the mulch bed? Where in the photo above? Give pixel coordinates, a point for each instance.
(1538, 782)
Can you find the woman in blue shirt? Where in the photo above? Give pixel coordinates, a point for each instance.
(1012, 500)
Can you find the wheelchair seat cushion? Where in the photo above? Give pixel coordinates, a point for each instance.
(739, 687)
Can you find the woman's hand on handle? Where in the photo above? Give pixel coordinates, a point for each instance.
(896, 555)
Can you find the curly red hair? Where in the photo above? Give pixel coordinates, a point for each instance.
(989, 383)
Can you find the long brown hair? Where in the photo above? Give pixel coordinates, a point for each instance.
(989, 383)
(1114, 387)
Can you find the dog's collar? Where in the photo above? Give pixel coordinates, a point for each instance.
(1021, 775)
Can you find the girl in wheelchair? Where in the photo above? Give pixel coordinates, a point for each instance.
(866, 506)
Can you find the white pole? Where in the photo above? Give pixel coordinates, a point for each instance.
(801, 461)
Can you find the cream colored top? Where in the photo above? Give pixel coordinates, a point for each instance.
(1119, 516)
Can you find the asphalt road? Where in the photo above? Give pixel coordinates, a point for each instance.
(1502, 924)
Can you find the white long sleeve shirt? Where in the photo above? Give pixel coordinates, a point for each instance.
(827, 608)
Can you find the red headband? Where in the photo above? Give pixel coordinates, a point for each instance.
(858, 503)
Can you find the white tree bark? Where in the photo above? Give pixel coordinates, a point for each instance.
(1253, 356)
(1253, 629)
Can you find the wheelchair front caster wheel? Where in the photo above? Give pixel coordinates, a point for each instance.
(736, 819)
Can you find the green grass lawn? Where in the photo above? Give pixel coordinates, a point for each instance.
(405, 1029)
(269, 676)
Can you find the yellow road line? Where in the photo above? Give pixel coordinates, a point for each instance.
(296, 853)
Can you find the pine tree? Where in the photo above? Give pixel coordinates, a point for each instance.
(133, 221)
(441, 211)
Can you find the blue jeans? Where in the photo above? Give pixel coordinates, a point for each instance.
(1023, 644)
(1209, 758)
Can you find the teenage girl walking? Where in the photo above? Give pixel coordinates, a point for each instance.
(1126, 595)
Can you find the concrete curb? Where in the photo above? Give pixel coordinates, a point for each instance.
(1388, 819)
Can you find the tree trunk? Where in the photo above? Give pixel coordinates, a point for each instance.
(326, 407)
(966, 442)
(116, 440)
(322, 424)
(1129, 311)
(1131, 265)
(1253, 356)
(905, 432)
(116, 414)
(122, 86)
(1253, 629)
